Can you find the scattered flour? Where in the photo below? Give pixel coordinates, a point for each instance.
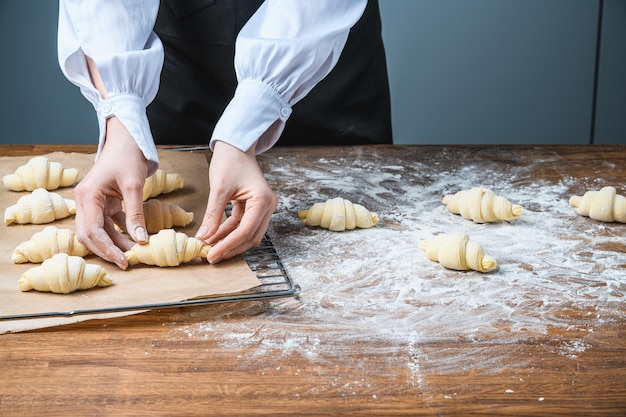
(376, 288)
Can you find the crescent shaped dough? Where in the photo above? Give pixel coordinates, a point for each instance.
(338, 214)
(482, 205)
(159, 215)
(41, 206)
(63, 274)
(40, 172)
(167, 248)
(457, 251)
(47, 243)
(162, 182)
(604, 205)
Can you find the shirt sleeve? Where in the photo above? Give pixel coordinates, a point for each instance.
(118, 35)
(281, 53)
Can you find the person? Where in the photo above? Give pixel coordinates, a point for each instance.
(181, 71)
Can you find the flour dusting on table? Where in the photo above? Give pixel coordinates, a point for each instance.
(371, 285)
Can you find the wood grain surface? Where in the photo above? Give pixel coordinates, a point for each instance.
(181, 362)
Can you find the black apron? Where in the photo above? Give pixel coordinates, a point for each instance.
(350, 106)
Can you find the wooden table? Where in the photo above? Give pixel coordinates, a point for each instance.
(339, 349)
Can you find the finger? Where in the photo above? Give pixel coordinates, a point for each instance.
(213, 215)
(119, 239)
(113, 206)
(99, 242)
(133, 205)
(225, 249)
(90, 231)
(224, 229)
(119, 219)
(105, 248)
(249, 234)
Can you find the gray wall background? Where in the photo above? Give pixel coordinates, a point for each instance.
(39, 104)
(461, 72)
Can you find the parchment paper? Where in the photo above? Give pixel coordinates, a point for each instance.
(139, 285)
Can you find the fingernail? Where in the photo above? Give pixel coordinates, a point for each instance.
(212, 258)
(122, 262)
(141, 235)
(216, 260)
(202, 232)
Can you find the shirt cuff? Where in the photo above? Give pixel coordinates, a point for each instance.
(131, 112)
(257, 113)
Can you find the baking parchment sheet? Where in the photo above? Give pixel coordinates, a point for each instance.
(138, 285)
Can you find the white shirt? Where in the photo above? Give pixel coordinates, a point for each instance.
(281, 53)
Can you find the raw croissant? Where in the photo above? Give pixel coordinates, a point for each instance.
(167, 248)
(604, 205)
(41, 206)
(338, 214)
(63, 274)
(481, 205)
(457, 251)
(161, 216)
(40, 172)
(47, 243)
(162, 182)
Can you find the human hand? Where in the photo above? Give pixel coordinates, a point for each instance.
(118, 175)
(235, 176)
